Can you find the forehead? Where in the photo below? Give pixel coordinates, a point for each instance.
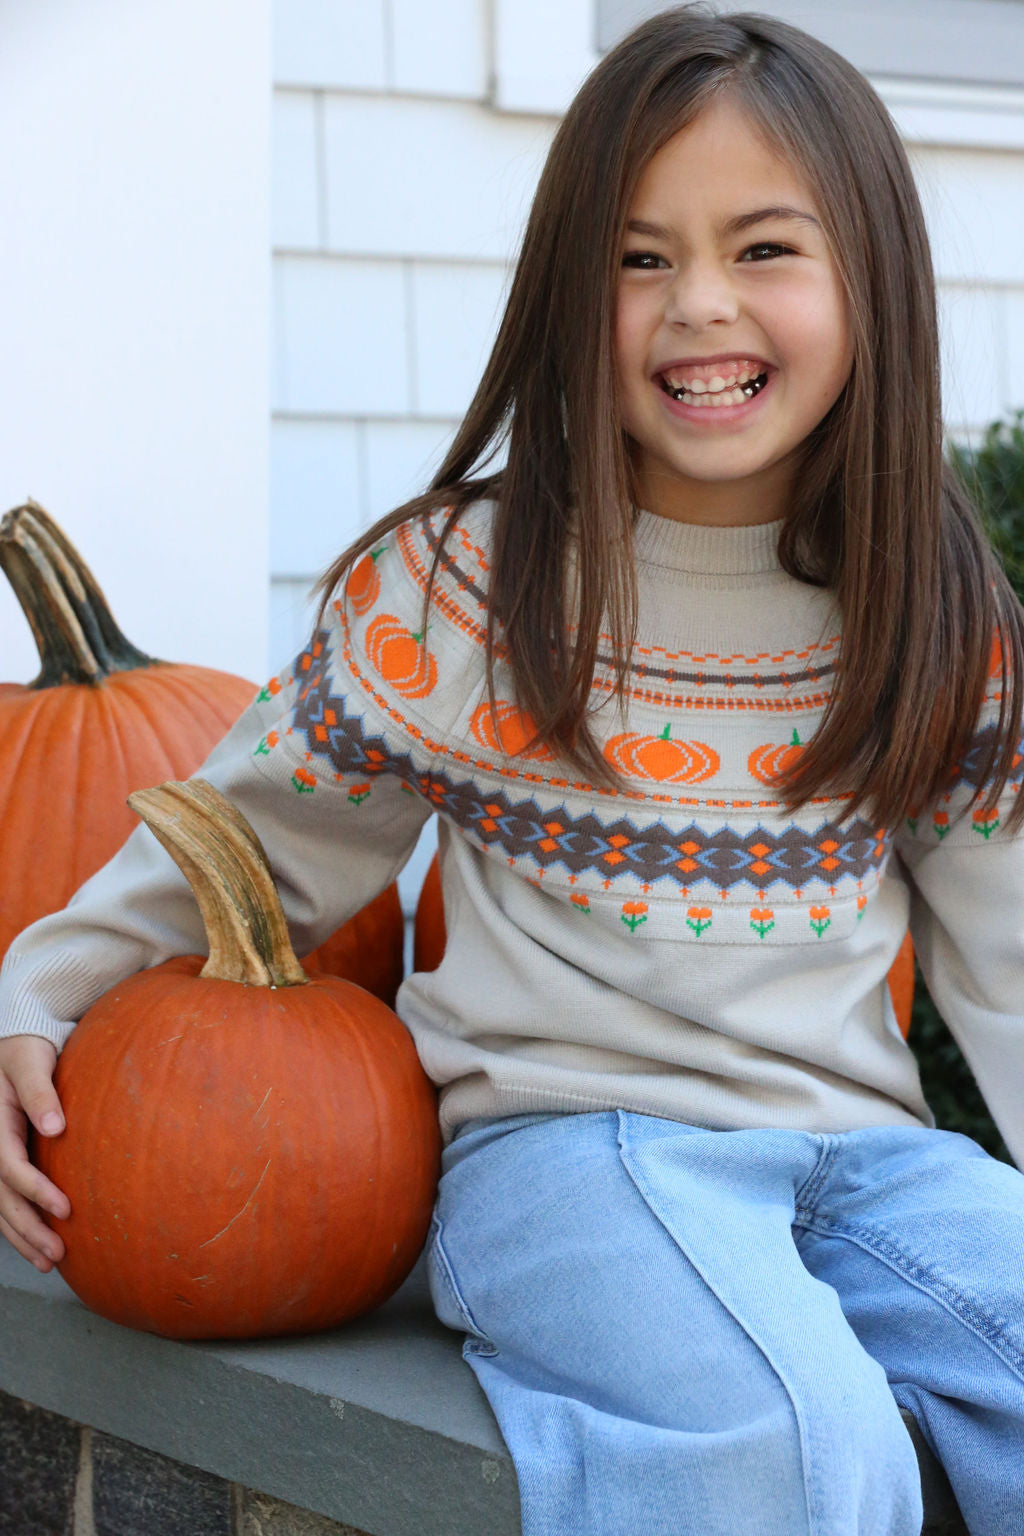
(721, 159)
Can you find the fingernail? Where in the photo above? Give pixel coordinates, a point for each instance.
(51, 1123)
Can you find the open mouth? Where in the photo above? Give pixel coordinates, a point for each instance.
(709, 399)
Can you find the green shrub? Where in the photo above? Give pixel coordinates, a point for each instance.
(994, 475)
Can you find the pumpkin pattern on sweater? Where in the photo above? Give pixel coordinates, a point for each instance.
(680, 944)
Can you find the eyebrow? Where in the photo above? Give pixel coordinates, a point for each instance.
(732, 226)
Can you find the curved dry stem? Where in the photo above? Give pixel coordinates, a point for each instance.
(225, 864)
(74, 630)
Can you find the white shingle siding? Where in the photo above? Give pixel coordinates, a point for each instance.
(440, 49)
(427, 178)
(344, 328)
(975, 372)
(335, 44)
(400, 191)
(407, 142)
(1014, 307)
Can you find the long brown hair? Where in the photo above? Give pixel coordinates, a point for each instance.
(879, 516)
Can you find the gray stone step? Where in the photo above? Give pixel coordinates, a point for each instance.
(379, 1425)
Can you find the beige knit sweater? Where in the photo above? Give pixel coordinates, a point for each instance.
(681, 946)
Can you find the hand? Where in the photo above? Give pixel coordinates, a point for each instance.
(27, 1093)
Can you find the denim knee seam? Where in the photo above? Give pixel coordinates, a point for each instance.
(808, 1190)
(887, 1251)
(443, 1268)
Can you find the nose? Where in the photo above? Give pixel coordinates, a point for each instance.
(701, 294)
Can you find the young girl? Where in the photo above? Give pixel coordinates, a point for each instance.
(711, 687)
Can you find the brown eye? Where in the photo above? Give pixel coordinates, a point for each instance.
(643, 261)
(769, 246)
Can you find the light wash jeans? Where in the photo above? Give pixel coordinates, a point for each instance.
(686, 1332)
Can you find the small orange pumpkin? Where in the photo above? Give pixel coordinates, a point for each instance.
(429, 933)
(901, 985)
(363, 586)
(291, 1110)
(662, 759)
(400, 657)
(773, 758)
(508, 729)
(368, 949)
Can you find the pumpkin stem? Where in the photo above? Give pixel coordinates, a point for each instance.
(665, 733)
(71, 622)
(225, 864)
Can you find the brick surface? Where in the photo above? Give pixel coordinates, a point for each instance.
(38, 1469)
(138, 1493)
(259, 1515)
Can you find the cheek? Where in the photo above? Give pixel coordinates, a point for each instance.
(630, 335)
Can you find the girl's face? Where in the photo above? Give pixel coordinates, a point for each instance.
(726, 277)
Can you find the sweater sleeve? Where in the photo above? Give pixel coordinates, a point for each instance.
(967, 928)
(311, 766)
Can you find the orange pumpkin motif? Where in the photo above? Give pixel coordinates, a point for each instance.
(774, 758)
(363, 586)
(507, 729)
(662, 759)
(400, 657)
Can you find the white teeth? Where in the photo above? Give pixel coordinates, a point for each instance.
(740, 373)
(716, 392)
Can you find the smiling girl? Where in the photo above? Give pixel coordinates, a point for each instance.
(714, 686)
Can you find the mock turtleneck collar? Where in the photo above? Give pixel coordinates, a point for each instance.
(706, 551)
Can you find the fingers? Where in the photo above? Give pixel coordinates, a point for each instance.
(29, 1235)
(27, 1092)
(28, 1062)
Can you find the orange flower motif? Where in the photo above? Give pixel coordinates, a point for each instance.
(633, 914)
(941, 821)
(762, 920)
(699, 919)
(821, 918)
(986, 822)
(269, 690)
(304, 781)
(580, 901)
(358, 793)
(267, 745)
(862, 902)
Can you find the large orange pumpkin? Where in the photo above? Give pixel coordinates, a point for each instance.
(249, 1150)
(660, 758)
(102, 719)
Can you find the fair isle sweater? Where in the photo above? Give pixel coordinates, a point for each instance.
(681, 945)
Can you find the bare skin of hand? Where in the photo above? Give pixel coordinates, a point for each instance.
(27, 1093)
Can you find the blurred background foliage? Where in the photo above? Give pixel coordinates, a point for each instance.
(994, 475)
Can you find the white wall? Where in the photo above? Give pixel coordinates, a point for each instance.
(134, 311)
(399, 195)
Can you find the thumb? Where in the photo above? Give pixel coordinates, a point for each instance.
(29, 1063)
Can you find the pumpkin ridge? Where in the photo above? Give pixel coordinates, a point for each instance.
(203, 697)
